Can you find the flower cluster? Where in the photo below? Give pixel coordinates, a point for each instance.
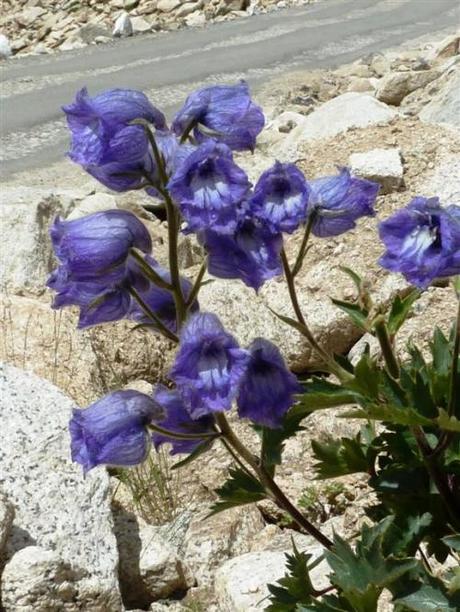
(107, 268)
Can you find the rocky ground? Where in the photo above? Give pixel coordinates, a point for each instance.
(44, 26)
(391, 117)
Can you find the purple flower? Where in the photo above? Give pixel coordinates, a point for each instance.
(208, 366)
(98, 244)
(209, 188)
(160, 300)
(173, 154)
(280, 198)
(251, 254)
(338, 201)
(178, 420)
(113, 430)
(422, 241)
(267, 388)
(103, 141)
(224, 112)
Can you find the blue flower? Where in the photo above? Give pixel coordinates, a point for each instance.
(178, 420)
(338, 201)
(267, 388)
(98, 244)
(251, 254)
(280, 198)
(208, 366)
(103, 141)
(113, 430)
(422, 241)
(209, 188)
(224, 112)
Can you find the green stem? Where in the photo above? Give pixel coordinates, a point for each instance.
(149, 313)
(386, 346)
(268, 483)
(197, 284)
(173, 233)
(454, 377)
(181, 436)
(303, 247)
(150, 272)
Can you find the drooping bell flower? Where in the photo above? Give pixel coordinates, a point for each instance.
(281, 197)
(251, 253)
(209, 187)
(113, 431)
(338, 201)
(178, 420)
(422, 241)
(105, 143)
(224, 113)
(267, 388)
(98, 244)
(208, 366)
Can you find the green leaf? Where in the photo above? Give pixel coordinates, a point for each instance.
(273, 439)
(400, 310)
(406, 532)
(339, 457)
(320, 393)
(449, 423)
(367, 376)
(197, 452)
(241, 488)
(441, 351)
(431, 597)
(289, 321)
(388, 413)
(358, 281)
(356, 313)
(363, 573)
(453, 542)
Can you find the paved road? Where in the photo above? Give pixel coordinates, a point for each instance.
(167, 66)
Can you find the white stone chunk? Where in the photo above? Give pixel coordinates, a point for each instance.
(123, 26)
(5, 47)
(382, 166)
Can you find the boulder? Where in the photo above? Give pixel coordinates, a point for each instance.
(6, 521)
(444, 108)
(187, 8)
(349, 110)
(449, 46)
(123, 26)
(5, 47)
(96, 202)
(360, 84)
(382, 166)
(166, 6)
(444, 181)
(57, 509)
(140, 25)
(241, 583)
(210, 541)
(90, 31)
(395, 86)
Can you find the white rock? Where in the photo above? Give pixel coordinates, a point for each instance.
(6, 521)
(30, 14)
(367, 342)
(5, 48)
(383, 166)
(395, 86)
(123, 26)
(56, 507)
(444, 181)
(38, 580)
(97, 202)
(25, 251)
(444, 108)
(241, 583)
(72, 44)
(195, 19)
(350, 110)
(360, 84)
(187, 8)
(166, 6)
(140, 25)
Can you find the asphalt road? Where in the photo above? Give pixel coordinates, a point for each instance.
(167, 66)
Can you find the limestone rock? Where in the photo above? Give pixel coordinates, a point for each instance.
(380, 165)
(449, 47)
(166, 6)
(444, 181)
(241, 583)
(57, 509)
(187, 8)
(140, 25)
(96, 202)
(211, 541)
(123, 26)
(25, 251)
(89, 32)
(395, 86)
(444, 108)
(349, 110)
(5, 47)
(6, 521)
(360, 84)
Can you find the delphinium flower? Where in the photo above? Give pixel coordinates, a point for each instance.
(178, 420)
(209, 187)
(208, 367)
(280, 198)
(267, 388)
(422, 241)
(160, 300)
(338, 201)
(251, 253)
(225, 113)
(105, 142)
(113, 431)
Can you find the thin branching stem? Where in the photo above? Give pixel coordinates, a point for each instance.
(149, 313)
